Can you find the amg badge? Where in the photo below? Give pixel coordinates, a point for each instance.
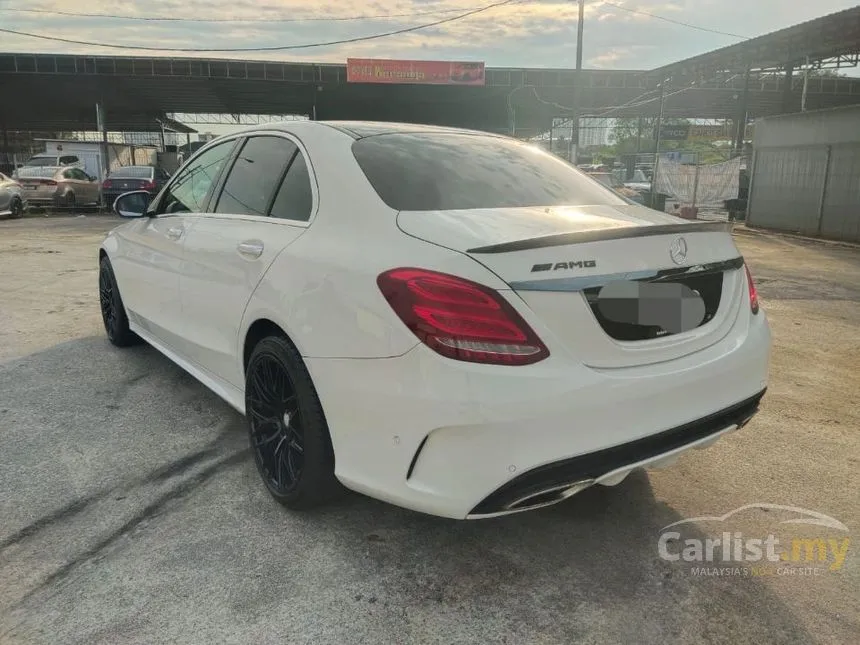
(574, 264)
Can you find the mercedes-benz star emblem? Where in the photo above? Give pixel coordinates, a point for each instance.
(678, 250)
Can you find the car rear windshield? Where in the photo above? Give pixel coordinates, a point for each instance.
(41, 171)
(421, 172)
(41, 161)
(132, 172)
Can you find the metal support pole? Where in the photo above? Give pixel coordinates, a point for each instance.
(787, 89)
(752, 171)
(639, 136)
(551, 128)
(103, 149)
(574, 138)
(580, 26)
(657, 138)
(805, 85)
(8, 157)
(742, 114)
(821, 203)
(696, 181)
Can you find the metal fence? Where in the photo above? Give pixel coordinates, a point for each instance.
(812, 190)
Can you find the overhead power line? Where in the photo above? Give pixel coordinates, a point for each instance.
(344, 41)
(673, 21)
(384, 16)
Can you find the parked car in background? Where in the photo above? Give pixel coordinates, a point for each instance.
(639, 181)
(129, 178)
(611, 181)
(52, 161)
(58, 187)
(12, 201)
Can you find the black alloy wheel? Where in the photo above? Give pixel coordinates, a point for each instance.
(112, 308)
(108, 306)
(277, 436)
(17, 208)
(287, 429)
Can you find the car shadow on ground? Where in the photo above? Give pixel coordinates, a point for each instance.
(118, 466)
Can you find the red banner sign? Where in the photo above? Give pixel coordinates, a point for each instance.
(423, 72)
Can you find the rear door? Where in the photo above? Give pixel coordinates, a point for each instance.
(264, 204)
(86, 190)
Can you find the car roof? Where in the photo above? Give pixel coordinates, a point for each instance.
(362, 129)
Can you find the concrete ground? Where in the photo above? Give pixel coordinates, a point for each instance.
(131, 512)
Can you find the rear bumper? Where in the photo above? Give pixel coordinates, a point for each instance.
(551, 483)
(41, 201)
(464, 440)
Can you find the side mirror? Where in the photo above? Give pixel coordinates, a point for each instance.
(133, 204)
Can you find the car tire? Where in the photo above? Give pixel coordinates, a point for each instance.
(112, 308)
(287, 430)
(17, 208)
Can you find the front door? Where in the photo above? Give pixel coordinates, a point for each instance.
(264, 205)
(149, 266)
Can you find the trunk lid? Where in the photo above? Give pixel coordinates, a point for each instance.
(557, 259)
(128, 184)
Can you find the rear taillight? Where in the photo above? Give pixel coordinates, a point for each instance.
(752, 290)
(107, 183)
(48, 182)
(148, 185)
(461, 319)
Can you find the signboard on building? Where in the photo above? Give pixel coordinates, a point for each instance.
(710, 131)
(675, 132)
(422, 72)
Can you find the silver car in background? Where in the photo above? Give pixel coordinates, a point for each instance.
(12, 201)
(58, 187)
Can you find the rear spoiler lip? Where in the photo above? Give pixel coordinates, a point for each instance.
(601, 235)
(596, 281)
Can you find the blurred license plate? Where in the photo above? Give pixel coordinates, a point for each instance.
(30, 187)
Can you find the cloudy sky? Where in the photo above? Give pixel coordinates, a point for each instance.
(528, 33)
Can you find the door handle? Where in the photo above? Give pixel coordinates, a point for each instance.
(175, 232)
(251, 249)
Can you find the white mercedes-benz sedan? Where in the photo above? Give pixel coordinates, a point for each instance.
(452, 321)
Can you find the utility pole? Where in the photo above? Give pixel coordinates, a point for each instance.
(574, 139)
(743, 113)
(657, 138)
(580, 25)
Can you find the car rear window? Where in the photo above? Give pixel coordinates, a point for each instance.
(132, 172)
(420, 172)
(40, 171)
(41, 161)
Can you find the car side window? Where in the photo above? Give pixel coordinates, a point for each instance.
(80, 175)
(189, 188)
(295, 197)
(255, 174)
(68, 174)
(68, 159)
